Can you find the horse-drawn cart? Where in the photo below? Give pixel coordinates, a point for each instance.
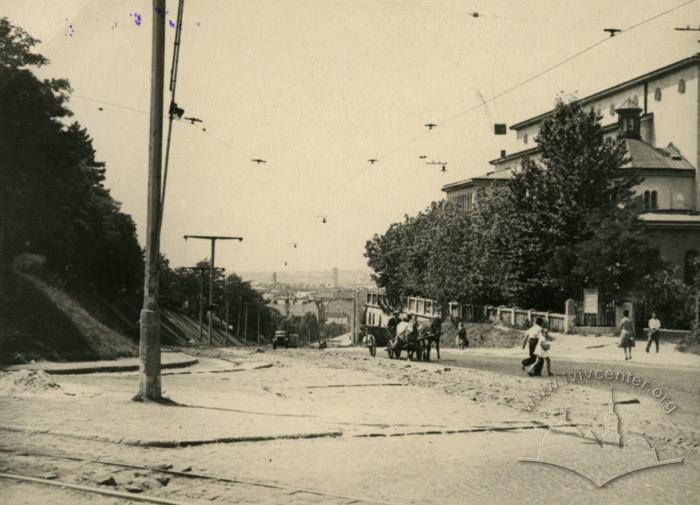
(415, 333)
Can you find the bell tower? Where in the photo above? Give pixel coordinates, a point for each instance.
(628, 118)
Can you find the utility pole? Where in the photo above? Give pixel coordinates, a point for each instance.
(258, 314)
(238, 322)
(226, 340)
(149, 340)
(213, 239)
(245, 328)
(201, 271)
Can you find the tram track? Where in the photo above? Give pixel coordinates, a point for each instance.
(290, 490)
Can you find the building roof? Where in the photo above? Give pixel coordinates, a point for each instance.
(678, 220)
(610, 127)
(659, 72)
(515, 155)
(644, 155)
(628, 104)
(484, 180)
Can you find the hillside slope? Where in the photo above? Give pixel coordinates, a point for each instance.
(41, 323)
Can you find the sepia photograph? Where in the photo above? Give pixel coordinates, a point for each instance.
(349, 252)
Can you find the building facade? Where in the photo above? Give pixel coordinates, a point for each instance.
(657, 116)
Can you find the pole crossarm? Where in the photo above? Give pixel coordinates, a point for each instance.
(213, 237)
(212, 269)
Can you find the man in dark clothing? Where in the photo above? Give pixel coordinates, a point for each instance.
(392, 324)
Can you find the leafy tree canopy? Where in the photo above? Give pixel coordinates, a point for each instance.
(561, 223)
(53, 200)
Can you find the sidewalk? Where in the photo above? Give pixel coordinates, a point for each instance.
(239, 400)
(598, 349)
(168, 360)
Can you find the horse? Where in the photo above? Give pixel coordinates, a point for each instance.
(431, 334)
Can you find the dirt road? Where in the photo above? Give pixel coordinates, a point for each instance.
(408, 433)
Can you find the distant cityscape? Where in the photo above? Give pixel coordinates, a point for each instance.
(357, 278)
(327, 294)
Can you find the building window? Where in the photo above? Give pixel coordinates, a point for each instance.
(525, 138)
(470, 201)
(681, 86)
(612, 109)
(691, 266)
(657, 94)
(650, 200)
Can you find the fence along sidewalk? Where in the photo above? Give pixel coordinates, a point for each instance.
(512, 316)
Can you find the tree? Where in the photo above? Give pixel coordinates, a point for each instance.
(560, 224)
(616, 256)
(424, 255)
(52, 200)
(557, 203)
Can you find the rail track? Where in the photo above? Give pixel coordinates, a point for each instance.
(290, 490)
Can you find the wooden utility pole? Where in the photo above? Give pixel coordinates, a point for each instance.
(149, 341)
(213, 239)
(201, 271)
(238, 322)
(245, 327)
(226, 340)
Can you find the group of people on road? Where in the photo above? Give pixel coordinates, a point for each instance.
(626, 329)
(538, 343)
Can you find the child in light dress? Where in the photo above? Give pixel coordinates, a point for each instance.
(542, 355)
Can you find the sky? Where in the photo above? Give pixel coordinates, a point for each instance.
(318, 87)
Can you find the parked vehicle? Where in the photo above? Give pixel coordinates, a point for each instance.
(280, 339)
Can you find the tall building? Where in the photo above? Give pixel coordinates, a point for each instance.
(657, 116)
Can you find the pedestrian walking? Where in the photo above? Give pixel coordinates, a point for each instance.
(462, 341)
(542, 355)
(531, 338)
(654, 326)
(626, 334)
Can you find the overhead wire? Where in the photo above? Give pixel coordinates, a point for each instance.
(172, 110)
(534, 77)
(485, 101)
(444, 122)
